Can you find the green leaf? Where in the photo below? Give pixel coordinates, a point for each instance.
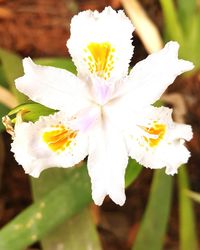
(173, 28)
(59, 204)
(66, 200)
(77, 233)
(67, 234)
(31, 111)
(3, 111)
(186, 10)
(156, 214)
(132, 172)
(12, 67)
(191, 49)
(187, 229)
(2, 78)
(62, 63)
(194, 41)
(2, 159)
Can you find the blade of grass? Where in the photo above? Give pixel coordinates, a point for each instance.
(195, 40)
(77, 233)
(2, 77)
(67, 234)
(59, 62)
(3, 111)
(191, 49)
(186, 10)
(2, 158)
(156, 214)
(132, 172)
(12, 68)
(187, 229)
(49, 212)
(31, 111)
(172, 25)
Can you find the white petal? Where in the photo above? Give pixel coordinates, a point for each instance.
(150, 77)
(35, 155)
(106, 164)
(52, 87)
(181, 131)
(170, 151)
(106, 30)
(178, 155)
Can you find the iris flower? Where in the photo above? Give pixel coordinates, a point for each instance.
(103, 112)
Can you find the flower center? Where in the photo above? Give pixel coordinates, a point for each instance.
(59, 138)
(156, 134)
(100, 58)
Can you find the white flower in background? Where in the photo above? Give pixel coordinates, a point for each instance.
(101, 109)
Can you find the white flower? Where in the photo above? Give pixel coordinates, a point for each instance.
(97, 106)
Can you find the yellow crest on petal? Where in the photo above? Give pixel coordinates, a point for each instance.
(59, 138)
(158, 130)
(100, 58)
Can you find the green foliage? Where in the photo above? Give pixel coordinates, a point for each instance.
(65, 200)
(30, 111)
(153, 227)
(187, 226)
(66, 234)
(3, 81)
(78, 232)
(132, 172)
(62, 63)
(172, 25)
(186, 12)
(182, 23)
(59, 204)
(8, 71)
(3, 111)
(11, 64)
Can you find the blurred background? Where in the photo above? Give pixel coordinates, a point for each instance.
(39, 29)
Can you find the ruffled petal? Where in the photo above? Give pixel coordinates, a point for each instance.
(157, 142)
(107, 162)
(53, 87)
(100, 43)
(49, 142)
(150, 77)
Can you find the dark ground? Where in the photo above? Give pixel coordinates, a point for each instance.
(40, 28)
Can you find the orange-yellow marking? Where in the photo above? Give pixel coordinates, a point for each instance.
(100, 58)
(158, 130)
(59, 138)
